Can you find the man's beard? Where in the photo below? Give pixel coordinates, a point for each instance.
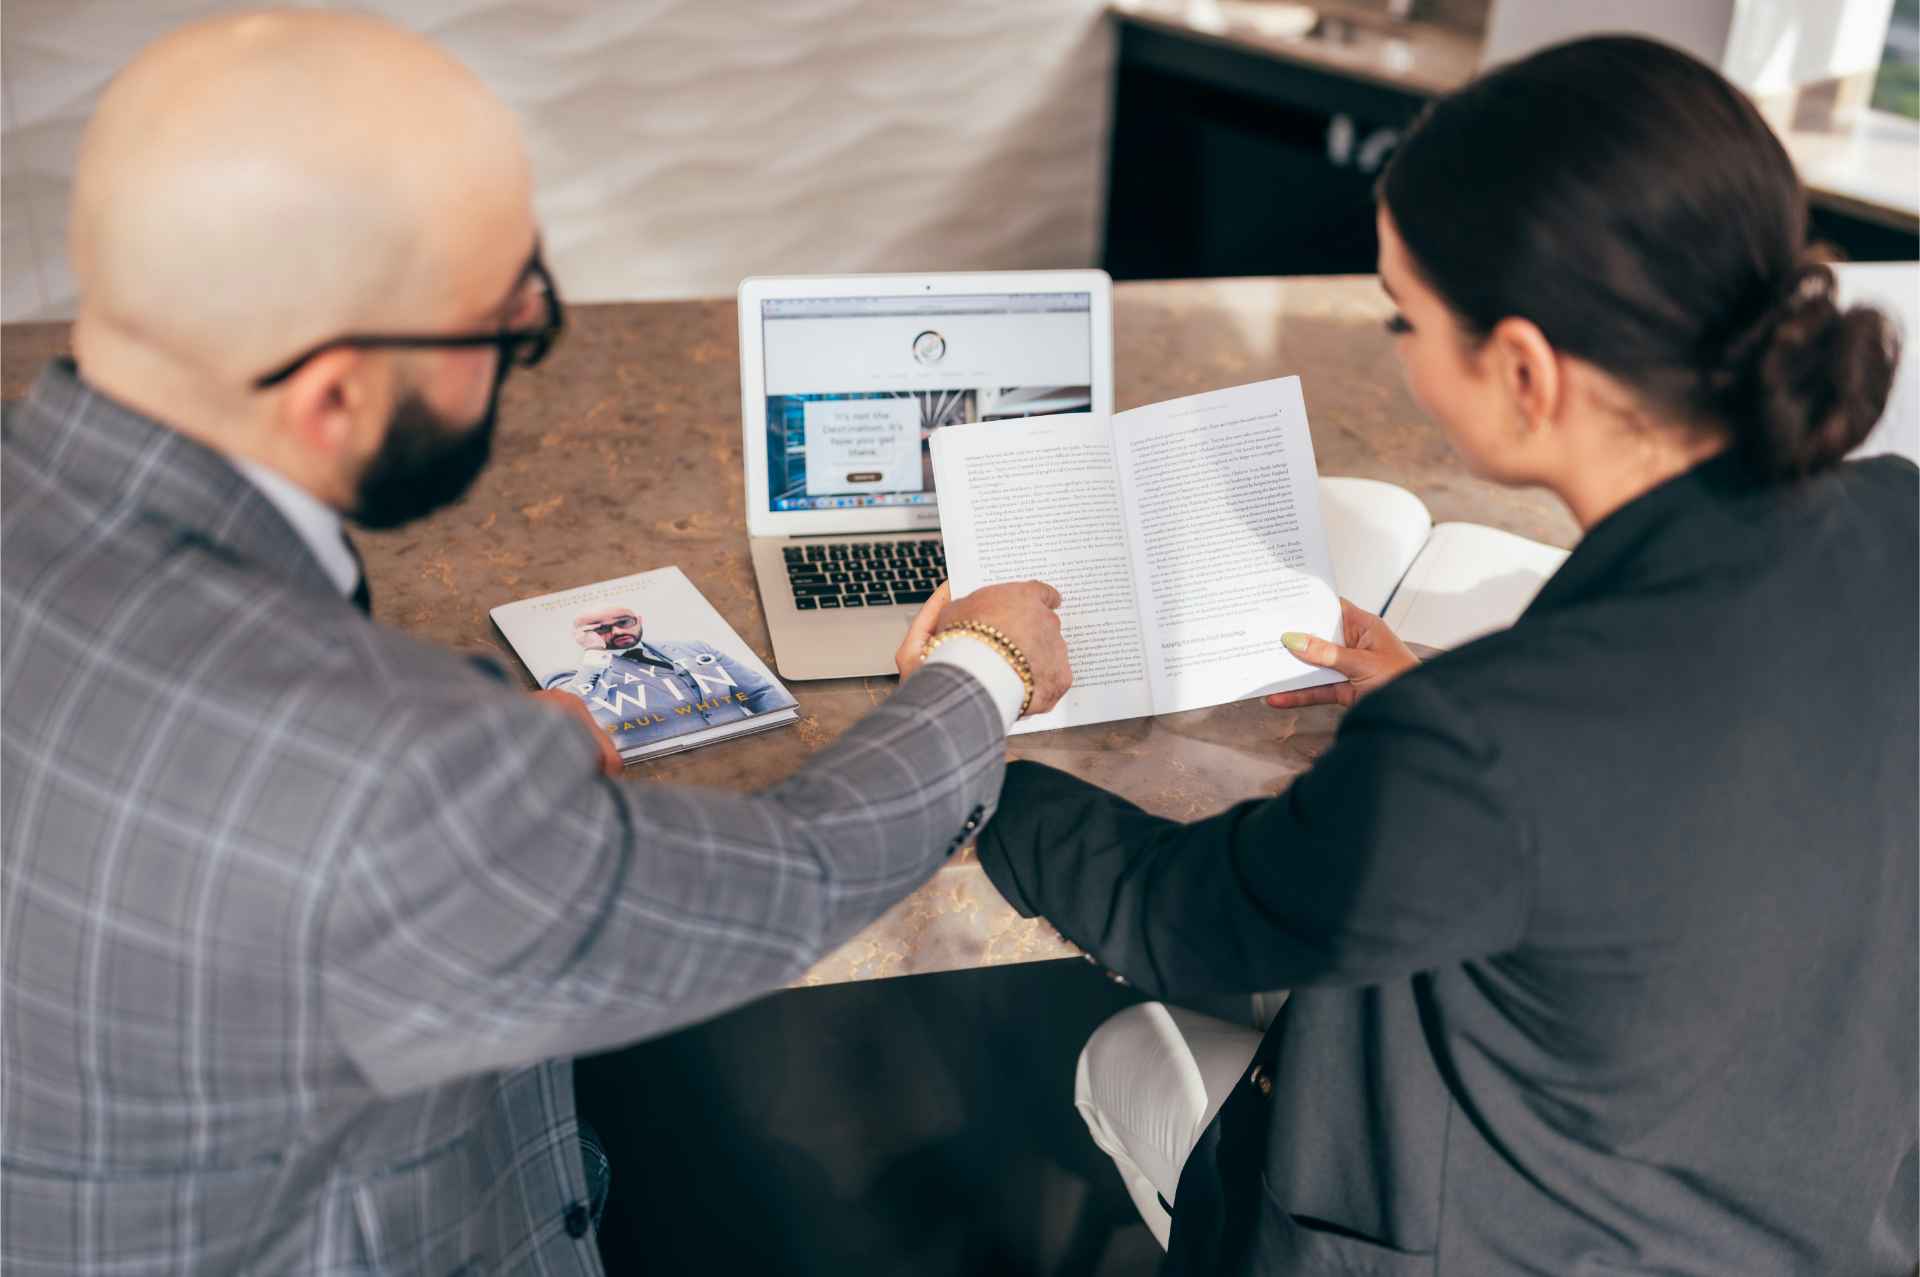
(425, 463)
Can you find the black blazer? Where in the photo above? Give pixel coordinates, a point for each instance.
(1602, 928)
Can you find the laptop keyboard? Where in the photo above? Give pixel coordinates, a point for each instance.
(840, 574)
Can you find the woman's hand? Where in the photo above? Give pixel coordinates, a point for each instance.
(1373, 657)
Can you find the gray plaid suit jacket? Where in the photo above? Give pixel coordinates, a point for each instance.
(303, 917)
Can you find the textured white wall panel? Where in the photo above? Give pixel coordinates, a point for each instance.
(683, 144)
(19, 254)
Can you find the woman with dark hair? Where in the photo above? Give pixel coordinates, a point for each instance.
(1601, 930)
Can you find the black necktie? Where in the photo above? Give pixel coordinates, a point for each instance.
(362, 597)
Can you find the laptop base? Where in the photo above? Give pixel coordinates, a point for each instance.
(838, 641)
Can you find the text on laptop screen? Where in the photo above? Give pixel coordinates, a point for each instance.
(856, 385)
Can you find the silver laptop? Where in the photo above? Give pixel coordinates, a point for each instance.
(842, 381)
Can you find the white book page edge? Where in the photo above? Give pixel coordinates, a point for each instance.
(1374, 532)
(1468, 581)
(713, 735)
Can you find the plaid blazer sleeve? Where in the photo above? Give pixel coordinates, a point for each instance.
(504, 902)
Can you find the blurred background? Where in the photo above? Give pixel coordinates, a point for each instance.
(683, 144)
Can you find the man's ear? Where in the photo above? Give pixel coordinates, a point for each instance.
(1529, 371)
(321, 405)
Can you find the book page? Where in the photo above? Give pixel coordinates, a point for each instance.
(1228, 547)
(1374, 531)
(1469, 580)
(1039, 499)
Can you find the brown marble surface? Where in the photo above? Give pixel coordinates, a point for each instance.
(622, 453)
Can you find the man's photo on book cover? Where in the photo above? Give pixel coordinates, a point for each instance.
(644, 685)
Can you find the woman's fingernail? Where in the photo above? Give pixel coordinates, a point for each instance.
(1295, 641)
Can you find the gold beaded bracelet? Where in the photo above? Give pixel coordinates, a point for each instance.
(992, 637)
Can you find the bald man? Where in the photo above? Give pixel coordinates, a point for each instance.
(304, 919)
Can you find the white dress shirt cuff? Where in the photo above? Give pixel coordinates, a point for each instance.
(982, 660)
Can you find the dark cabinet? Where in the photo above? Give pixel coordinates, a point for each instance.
(1226, 162)
(1229, 161)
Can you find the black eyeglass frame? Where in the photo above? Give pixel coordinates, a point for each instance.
(524, 346)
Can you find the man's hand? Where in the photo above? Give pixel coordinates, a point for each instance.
(1372, 658)
(908, 659)
(573, 707)
(1027, 612)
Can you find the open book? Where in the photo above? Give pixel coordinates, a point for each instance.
(1185, 537)
(1437, 585)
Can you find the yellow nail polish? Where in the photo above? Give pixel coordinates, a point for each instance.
(1295, 641)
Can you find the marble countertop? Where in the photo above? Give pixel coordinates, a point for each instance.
(1866, 164)
(623, 452)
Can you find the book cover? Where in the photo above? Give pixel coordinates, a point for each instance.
(659, 668)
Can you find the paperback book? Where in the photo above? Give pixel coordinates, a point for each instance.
(1186, 537)
(659, 668)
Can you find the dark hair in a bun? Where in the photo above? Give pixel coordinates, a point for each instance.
(1806, 380)
(1634, 205)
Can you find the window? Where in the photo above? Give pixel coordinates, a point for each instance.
(1897, 88)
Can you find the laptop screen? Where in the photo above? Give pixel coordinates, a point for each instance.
(856, 385)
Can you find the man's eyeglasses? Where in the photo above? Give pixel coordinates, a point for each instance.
(519, 345)
(610, 626)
